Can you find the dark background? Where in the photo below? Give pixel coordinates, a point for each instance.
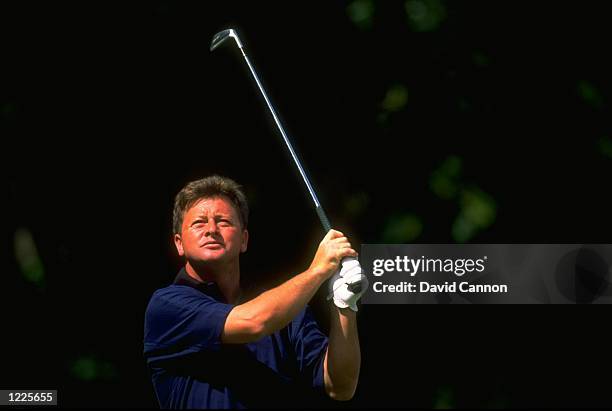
(425, 121)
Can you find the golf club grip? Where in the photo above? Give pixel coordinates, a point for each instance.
(323, 218)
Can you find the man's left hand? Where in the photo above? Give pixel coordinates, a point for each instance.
(348, 285)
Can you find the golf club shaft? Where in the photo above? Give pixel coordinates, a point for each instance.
(318, 208)
(355, 287)
(217, 40)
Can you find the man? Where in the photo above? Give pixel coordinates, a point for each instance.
(206, 349)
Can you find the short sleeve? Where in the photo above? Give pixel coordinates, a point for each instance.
(310, 345)
(181, 320)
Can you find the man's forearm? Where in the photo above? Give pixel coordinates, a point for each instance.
(343, 357)
(275, 308)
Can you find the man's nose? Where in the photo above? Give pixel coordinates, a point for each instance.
(211, 227)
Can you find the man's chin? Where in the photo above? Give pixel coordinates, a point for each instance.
(209, 258)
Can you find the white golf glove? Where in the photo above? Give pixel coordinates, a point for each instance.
(343, 285)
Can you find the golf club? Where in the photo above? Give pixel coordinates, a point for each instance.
(219, 39)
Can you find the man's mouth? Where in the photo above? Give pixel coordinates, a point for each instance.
(212, 244)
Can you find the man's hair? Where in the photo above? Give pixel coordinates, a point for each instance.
(208, 187)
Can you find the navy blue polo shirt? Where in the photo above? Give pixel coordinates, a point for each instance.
(191, 368)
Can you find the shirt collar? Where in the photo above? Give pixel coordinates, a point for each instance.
(209, 288)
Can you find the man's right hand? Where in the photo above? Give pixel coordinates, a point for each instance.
(332, 249)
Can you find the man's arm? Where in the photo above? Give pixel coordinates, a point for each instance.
(275, 308)
(343, 356)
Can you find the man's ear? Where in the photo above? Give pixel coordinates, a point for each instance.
(245, 240)
(178, 242)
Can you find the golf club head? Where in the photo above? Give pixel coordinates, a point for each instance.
(221, 36)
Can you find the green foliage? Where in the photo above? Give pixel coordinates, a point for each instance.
(356, 204)
(477, 212)
(402, 228)
(27, 257)
(605, 146)
(590, 94)
(444, 181)
(425, 15)
(7, 109)
(84, 369)
(396, 98)
(361, 13)
(480, 59)
(89, 368)
(477, 209)
(443, 399)
(394, 101)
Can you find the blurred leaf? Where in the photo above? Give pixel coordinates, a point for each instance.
(443, 399)
(424, 15)
(107, 371)
(478, 207)
(27, 257)
(7, 109)
(361, 13)
(356, 204)
(480, 59)
(590, 94)
(382, 118)
(444, 181)
(462, 229)
(402, 228)
(88, 368)
(396, 98)
(605, 146)
(477, 212)
(84, 369)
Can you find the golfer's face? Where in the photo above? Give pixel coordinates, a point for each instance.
(212, 231)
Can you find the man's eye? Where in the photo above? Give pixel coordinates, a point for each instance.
(225, 222)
